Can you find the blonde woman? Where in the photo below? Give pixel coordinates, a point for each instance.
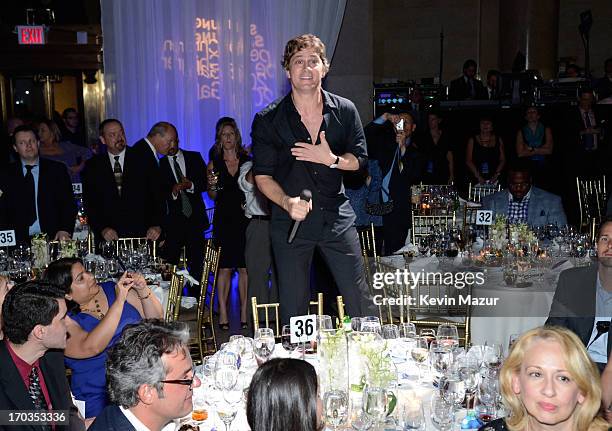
(549, 383)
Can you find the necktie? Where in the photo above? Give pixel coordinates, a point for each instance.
(588, 139)
(118, 174)
(36, 394)
(30, 196)
(185, 204)
(472, 89)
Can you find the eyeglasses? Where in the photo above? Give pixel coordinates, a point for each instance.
(184, 382)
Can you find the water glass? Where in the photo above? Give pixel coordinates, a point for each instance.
(286, 339)
(263, 344)
(390, 332)
(375, 403)
(412, 416)
(356, 324)
(448, 334)
(407, 330)
(335, 405)
(371, 324)
(440, 356)
(442, 413)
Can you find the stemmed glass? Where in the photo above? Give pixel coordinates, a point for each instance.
(286, 339)
(335, 404)
(493, 356)
(263, 342)
(407, 330)
(441, 356)
(419, 352)
(448, 335)
(371, 324)
(429, 334)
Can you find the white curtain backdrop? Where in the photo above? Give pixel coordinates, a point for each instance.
(190, 62)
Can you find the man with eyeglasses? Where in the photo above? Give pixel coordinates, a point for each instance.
(150, 378)
(583, 300)
(523, 203)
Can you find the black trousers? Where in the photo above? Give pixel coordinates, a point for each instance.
(188, 232)
(341, 253)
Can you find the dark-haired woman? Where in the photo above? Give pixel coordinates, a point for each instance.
(283, 396)
(485, 157)
(98, 315)
(534, 142)
(229, 223)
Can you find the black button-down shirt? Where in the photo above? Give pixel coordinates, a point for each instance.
(275, 131)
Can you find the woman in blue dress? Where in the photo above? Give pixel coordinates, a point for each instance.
(534, 142)
(99, 314)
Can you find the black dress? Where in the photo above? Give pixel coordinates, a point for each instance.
(486, 159)
(229, 221)
(435, 164)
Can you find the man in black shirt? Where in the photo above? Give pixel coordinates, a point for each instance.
(286, 162)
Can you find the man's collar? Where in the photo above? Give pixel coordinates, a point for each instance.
(526, 197)
(328, 102)
(151, 146)
(35, 162)
(121, 154)
(131, 417)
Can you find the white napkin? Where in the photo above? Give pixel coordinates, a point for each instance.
(478, 244)
(188, 302)
(188, 277)
(426, 264)
(408, 248)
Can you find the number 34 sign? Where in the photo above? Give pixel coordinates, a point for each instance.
(303, 328)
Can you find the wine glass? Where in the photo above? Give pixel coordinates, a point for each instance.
(286, 339)
(371, 324)
(335, 404)
(419, 352)
(429, 334)
(493, 356)
(448, 335)
(441, 356)
(214, 180)
(263, 344)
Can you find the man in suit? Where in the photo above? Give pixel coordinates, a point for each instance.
(492, 89)
(583, 300)
(122, 198)
(467, 87)
(523, 203)
(150, 378)
(157, 143)
(37, 193)
(33, 376)
(183, 180)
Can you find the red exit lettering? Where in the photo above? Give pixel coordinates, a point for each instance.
(31, 35)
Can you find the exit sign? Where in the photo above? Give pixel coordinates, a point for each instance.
(31, 34)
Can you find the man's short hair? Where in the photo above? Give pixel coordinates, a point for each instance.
(24, 128)
(136, 359)
(492, 72)
(519, 165)
(27, 305)
(606, 220)
(470, 63)
(108, 121)
(68, 111)
(303, 42)
(161, 128)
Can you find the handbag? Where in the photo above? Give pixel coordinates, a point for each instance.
(380, 209)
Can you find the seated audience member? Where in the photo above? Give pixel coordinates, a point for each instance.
(38, 194)
(583, 300)
(492, 88)
(523, 203)
(71, 128)
(467, 87)
(7, 155)
(5, 285)
(606, 384)
(32, 375)
(534, 142)
(603, 86)
(150, 378)
(572, 71)
(283, 396)
(485, 156)
(435, 148)
(53, 148)
(548, 382)
(95, 323)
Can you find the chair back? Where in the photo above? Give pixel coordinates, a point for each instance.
(132, 243)
(425, 225)
(206, 339)
(175, 293)
(317, 305)
(478, 191)
(210, 213)
(274, 307)
(592, 200)
(367, 241)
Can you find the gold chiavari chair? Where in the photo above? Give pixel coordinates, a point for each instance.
(206, 339)
(367, 241)
(131, 243)
(390, 309)
(340, 302)
(478, 191)
(210, 213)
(430, 314)
(317, 305)
(275, 307)
(592, 200)
(425, 225)
(175, 293)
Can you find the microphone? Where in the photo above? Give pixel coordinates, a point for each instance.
(306, 196)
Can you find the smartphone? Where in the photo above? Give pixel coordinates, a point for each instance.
(400, 125)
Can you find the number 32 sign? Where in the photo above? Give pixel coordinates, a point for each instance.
(484, 217)
(303, 328)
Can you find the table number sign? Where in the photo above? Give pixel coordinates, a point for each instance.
(7, 238)
(303, 328)
(484, 217)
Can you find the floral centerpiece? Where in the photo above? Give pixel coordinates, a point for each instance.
(333, 359)
(68, 248)
(40, 251)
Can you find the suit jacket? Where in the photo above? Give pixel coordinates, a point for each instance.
(14, 395)
(57, 207)
(195, 171)
(573, 305)
(459, 90)
(111, 419)
(140, 205)
(544, 208)
(144, 153)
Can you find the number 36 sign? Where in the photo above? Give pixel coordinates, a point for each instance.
(303, 328)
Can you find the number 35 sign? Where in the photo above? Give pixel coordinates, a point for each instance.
(303, 328)
(7, 238)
